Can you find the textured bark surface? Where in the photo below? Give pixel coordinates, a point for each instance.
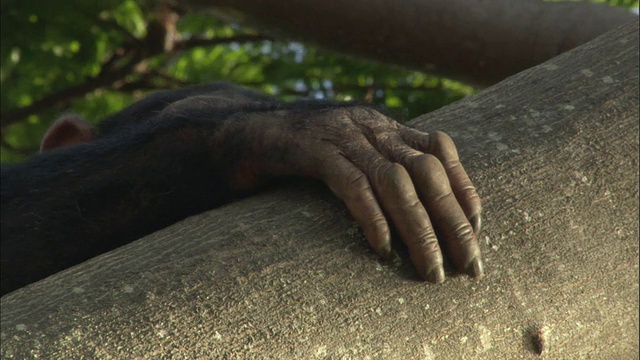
(286, 274)
(479, 42)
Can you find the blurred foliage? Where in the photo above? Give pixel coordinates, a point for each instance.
(96, 57)
(51, 47)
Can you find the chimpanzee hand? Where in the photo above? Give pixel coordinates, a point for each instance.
(180, 152)
(378, 166)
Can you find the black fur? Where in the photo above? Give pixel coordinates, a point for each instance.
(151, 165)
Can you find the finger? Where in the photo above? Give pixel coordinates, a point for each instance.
(440, 145)
(395, 192)
(459, 237)
(432, 182)
(352, 187)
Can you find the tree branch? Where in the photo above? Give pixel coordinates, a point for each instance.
(479, 42)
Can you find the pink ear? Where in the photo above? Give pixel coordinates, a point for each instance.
(66, 131)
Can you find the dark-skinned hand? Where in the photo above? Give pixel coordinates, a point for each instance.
(183, 151)
(378, 166)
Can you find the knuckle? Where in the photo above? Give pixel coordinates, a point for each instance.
(443, 146)
(395, 171)
(464, 234)
(433, 174)
(356, 179)
(440, 195)
(413, 204)
(353, 113)
(370, 120)
(395, 178)
(379, 221)
(356, 187)
(415, 138)
(400, 153)
(427, 242)
(469, 192)
(454, 166)
(430, 163)
(442, 138)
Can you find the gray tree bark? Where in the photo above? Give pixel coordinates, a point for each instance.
(286, 274)
(479, 42)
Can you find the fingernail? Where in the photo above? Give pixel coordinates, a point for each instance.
(384, 251)
(476, 223)
(436, 275)
(475, 269)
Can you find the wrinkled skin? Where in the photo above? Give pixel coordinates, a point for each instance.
(180, 152)
(378, 166)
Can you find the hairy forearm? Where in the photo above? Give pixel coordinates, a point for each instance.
(63, 207)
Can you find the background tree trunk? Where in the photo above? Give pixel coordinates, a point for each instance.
(479, 42)
(554, 152)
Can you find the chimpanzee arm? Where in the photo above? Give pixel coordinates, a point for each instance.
(222, 95)
(192, 153)
(66, 206)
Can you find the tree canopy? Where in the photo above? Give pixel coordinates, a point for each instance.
(94, 58)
